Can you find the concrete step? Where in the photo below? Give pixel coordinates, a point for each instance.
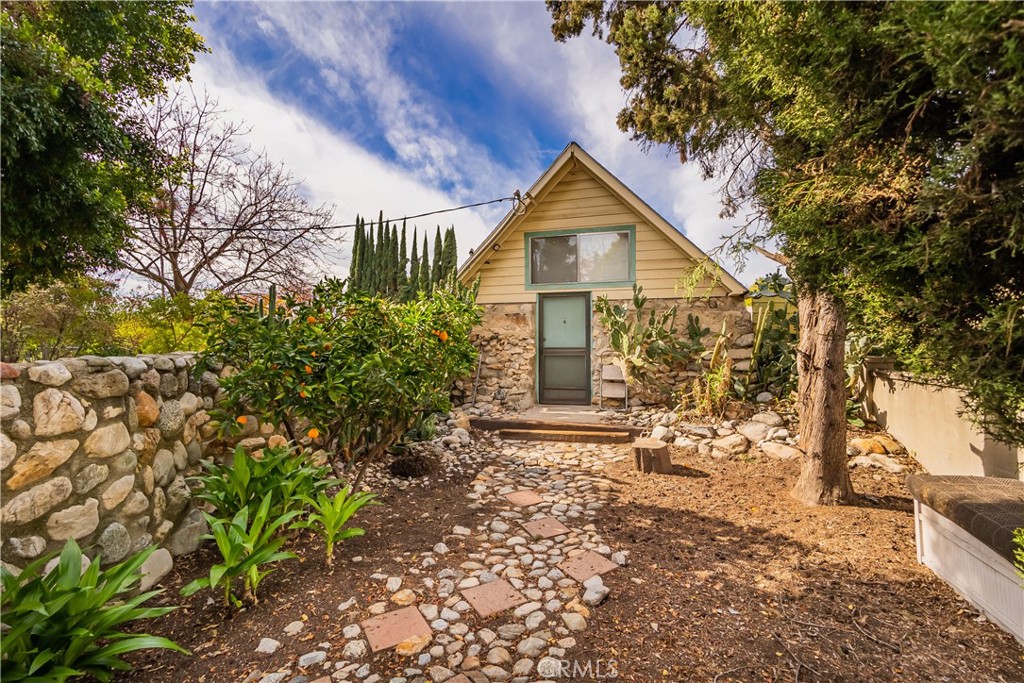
(566, 435)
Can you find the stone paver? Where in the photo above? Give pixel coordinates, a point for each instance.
(524, 498)
(391, 628)
(546, 527)
(587, 564)
(493, 597)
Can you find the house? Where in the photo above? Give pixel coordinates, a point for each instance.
(578, 234)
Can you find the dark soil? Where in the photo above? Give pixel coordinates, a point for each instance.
(223, 640)
(729, 580)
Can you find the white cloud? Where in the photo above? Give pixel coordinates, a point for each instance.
(574, 84)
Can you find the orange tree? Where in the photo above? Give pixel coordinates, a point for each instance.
(349, 371)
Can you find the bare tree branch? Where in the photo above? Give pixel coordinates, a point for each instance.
(229, 217)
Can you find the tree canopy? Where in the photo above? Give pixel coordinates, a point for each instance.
(74, 159)
(881, 144)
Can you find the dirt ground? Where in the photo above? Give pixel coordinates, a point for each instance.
(732, 580)
(729, 580)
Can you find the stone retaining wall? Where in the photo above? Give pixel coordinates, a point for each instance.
(506, 339)
(98, 450)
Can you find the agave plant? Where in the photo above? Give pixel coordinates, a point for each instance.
(66, 622)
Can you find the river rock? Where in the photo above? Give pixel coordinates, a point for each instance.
(102, 384)
(76, 521)
(10, 402)
(57, 412)
(155, 568)
(8, 451)
(36, 502)
(147, 409)
(40, 461)
(780, 450)
(734, 444)
(114, 543)
(87, 478)
(50, 374)
(115, 494)
(108, 441)
(753, 430)
(172, 419)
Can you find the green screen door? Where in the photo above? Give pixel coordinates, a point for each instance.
(565, 349)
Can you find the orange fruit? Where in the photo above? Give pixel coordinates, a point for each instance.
(443, 335)
(241, 419)
(309, 370)
(311, 320)
(302, 394)
(314, 354)
(313, 433)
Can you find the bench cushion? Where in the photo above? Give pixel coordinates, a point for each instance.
(988, 508)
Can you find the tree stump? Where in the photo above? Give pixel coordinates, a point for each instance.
(651, 455)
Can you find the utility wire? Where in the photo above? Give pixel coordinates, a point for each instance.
(514, 198)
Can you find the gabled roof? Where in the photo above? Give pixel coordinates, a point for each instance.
(573, 153)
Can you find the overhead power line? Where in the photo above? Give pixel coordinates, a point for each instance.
(514, 198)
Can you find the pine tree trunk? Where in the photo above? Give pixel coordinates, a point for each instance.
(824, 476)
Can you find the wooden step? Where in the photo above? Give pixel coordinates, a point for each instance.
(498, 424)
(566, 435)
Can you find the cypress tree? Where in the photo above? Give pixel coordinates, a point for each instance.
(357, 248)
(403, 260)
(379, 256)
(366, 279)
(425, 284)
(437, 274)
(395, 263)
(414, 268)
(451, 253)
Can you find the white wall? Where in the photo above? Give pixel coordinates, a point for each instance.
(924, 419)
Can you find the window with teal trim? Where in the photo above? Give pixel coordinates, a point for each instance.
(585, 257)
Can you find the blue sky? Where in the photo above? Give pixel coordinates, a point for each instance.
(412, 107)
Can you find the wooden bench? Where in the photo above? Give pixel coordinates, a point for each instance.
(964, 528)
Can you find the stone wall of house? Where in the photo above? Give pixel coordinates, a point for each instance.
(506, 340)
(98, 450)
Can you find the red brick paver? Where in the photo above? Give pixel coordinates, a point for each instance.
(581, 567)
(546, 527)
(493, 597)
(391, 628)
(524, 498)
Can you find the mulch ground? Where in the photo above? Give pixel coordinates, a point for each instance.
(729, 580)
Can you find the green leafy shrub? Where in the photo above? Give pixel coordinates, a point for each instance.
(354, 371)
(163, 324)
(282, 477)
(64, 319)
(246, 546)
(644, 340)
(330, 514)
(66, 623)
(776, 334)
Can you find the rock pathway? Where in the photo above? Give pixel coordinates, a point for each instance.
(504, 609)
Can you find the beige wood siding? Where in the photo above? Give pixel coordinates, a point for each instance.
(578, 200)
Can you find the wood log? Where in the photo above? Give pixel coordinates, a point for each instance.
(651, 455)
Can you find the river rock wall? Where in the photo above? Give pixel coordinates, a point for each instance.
(99, 450)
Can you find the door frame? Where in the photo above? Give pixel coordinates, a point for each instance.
(539, 344)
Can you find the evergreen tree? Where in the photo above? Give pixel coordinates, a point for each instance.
(394, 263)
(403, 280)
(437, 273)
(358, 253)
(451, 253)
(366, 278)
(425, 284)
(380, 253)
(414, 268)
